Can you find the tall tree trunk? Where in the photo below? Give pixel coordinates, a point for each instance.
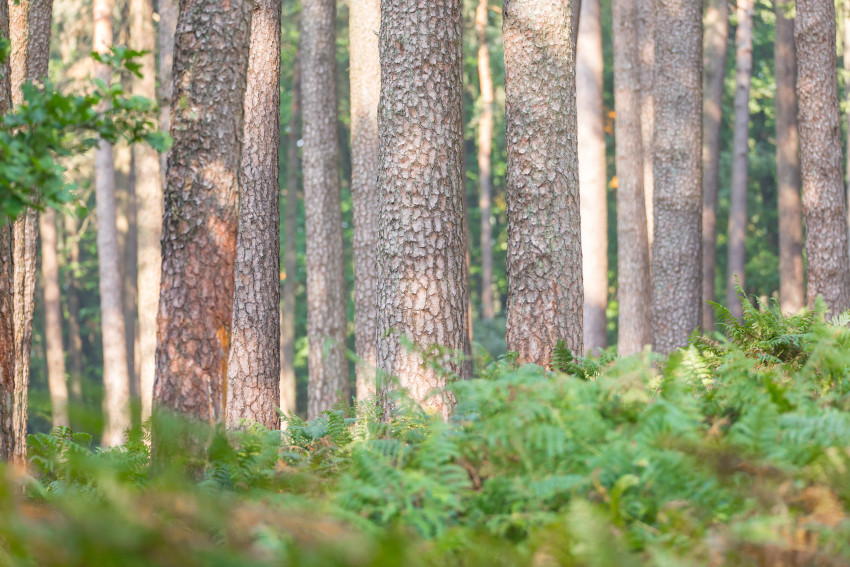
(29, 22)
(53, 320)
(714, 72)
(116, 379)
(846, 41)
(363, 27)
(290, 252)
(677, 165)
(326, 317)
(149, 207)
(736, 267)
(485, 150)
(75, 340)
(646, 54)
(592, 175)
(821, 157)
(422, 277)
(545, 295)
(130, 271)
(166, 31)
(253, 378)
(633, 287)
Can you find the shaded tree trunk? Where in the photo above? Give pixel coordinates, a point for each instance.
(714, 72)
(253, 391)
(821, 157)
(485, 150)
(53, 320)
(75, 340)
(130, 268)
(544, 264)
(166, 32)
(846, 42)
(9, 440)
(422, 276)
(646, 54)
(364, 24)
(633, 284)
(200, 211)
(677, 166)
(592, 175)
(326, 316)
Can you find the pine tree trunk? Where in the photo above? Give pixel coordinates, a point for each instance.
(253, 391)
(737, 248)
(714, 73)
(363, 27)
(8, 439)
(821, 156)
(846, 14)
(646, 54)
(326, 316)
(545, 295)
(200, 210)
(485, 150)
(53, 320)
(633, 285)
(75, 340)
(422, 277)
(149, 208)
(592, 175)
(290, 252)
(130, 267)
(677, 166)
(166, 31)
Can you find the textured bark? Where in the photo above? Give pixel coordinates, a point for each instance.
(422, 276)
(149, 207)
(485, 150)
(53, 320)
(592, 176)
(545, 295)
(821, 157)
(714, 72)
(740, 156)
(290, 253)
(116, 378)
(200, 214)
(363, 27)
(326, 317)
(75, 340)
(166, 31)
(633, 282)
(8, 439)
(646, 53)
(29, 22)
(253, 391)
(677, 165)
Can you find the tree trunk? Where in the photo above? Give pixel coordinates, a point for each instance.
(633, 286)
(821, 156)
(677, 166)
(253, 391)
(326, 316)
(149, 206)
(646, 54)
(592, 175)
(485, 150)
(75, 340)
(364, 24)
(166, 31)
(545, 295)
(736, 267)
(846, 42)
(53, 320)
(423, 297)
(714, 73)
(200, 210)
(290, 252)
(130, 267)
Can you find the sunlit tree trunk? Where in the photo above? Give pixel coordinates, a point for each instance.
(791, 272)
(677, 166)
(8, 438)
(821, 156)
(485, 150)
(166, 31)
(53, 320)
(714, 72)
(646, 54)
(545, 294)
(422, 280)
(592, 176)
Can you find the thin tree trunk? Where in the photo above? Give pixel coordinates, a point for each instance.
(737, 248)
(714, 72)
(253, 391)
(149, 206)
(53, 320)
(200, 211)
(821, 156)
(326, 316)
(677, 166)
(363, 27)
(75, 340)
(290, 252)
(485, 150)
(545, 295)
(130, 272)
(646, 54)
(422, 277)
(166, 31)
(846, 45)
(633, 282)
(592, 176)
